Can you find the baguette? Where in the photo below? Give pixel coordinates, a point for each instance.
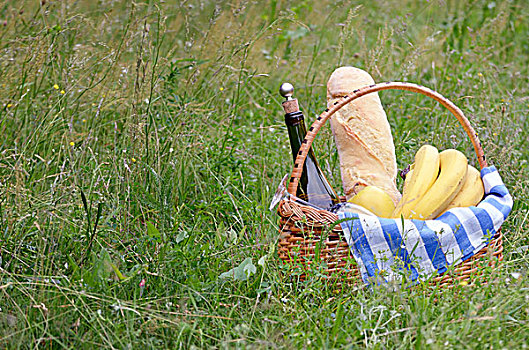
(362, 135)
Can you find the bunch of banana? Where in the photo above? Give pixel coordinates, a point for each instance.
(438, 182)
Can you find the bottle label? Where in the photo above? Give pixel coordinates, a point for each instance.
(292, 119)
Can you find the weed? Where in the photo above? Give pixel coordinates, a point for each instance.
(144, 141)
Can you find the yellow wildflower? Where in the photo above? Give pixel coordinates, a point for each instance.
(72, 143)
(56, 87)
(480, 75)
(133, 159)
(221, 88)
(9, 105)
(63, 92)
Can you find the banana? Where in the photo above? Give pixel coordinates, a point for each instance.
(374, 199)
(424, 173)
(471, 192)
(407, 180)
(453, 166)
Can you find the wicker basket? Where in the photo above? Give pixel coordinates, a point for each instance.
(310, 237)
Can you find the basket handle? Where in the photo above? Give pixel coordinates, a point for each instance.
(318, 123)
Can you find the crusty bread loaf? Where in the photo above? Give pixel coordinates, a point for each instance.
(362, 135)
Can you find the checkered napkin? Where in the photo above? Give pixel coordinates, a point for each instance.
(389, 249)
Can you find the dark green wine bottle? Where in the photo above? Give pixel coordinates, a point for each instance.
(313, 187)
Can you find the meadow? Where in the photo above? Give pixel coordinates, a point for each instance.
(142, 143)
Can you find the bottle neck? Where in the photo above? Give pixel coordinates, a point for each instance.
(297, 130)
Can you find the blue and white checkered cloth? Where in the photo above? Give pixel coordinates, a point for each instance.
(389, 249)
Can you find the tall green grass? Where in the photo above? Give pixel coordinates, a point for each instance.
(143, 142)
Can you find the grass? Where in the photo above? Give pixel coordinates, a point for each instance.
(143, 142)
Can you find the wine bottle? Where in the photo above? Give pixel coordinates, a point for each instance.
(313, 187)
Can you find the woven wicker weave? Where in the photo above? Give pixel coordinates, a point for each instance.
(309, 235)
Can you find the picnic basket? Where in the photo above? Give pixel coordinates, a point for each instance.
(310, 236)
